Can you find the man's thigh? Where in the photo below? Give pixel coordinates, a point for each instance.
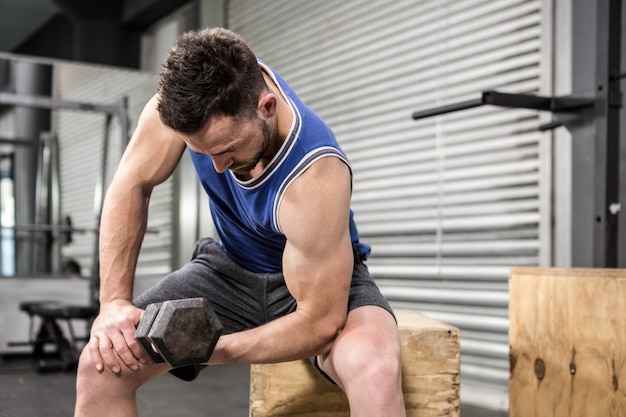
(364, 291)
(236, 294)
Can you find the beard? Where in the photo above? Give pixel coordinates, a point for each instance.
(242, 169)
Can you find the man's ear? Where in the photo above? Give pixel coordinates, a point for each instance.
(268, 105)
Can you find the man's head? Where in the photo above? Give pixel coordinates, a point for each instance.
(208, 73)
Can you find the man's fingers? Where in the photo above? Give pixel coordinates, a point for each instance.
(135, 349)
(101, 351)
(106, 349)
(94, 350)
(124, 352)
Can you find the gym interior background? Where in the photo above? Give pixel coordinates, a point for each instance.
(451, 189)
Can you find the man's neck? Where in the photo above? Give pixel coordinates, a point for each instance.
(284, 114)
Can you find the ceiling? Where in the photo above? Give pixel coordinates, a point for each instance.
(19, 19)
(97, 31)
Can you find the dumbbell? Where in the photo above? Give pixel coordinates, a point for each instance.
(179, 332)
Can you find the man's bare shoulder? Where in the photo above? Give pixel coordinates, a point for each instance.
(326, 175)
(319, 196)
(154, 149)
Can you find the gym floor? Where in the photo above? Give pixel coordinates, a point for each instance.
(219, 391)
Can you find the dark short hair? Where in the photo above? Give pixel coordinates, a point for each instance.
(209, 72)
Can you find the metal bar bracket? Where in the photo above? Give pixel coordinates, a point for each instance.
(564, 104)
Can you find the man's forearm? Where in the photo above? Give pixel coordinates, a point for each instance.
(121, 233)
(291, 337)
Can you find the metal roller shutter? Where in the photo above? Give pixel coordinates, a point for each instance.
(81, 137)
(450, 203)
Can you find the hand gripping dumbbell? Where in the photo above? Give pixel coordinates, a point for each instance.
(179, 332)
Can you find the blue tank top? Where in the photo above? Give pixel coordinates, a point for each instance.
(245, 213)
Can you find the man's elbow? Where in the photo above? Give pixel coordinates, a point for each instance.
(329, 330)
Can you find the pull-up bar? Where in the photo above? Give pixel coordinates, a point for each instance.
(44, 102)
(522, 101)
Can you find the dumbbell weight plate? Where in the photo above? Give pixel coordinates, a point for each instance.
(141, 334)
(185, 331)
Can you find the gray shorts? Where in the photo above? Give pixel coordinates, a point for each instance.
(243, 299)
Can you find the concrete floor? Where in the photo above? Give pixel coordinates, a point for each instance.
(220, 391)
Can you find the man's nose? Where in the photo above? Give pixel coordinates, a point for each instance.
(221, 163)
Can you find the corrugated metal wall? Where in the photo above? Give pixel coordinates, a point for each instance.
(81, 138)
(448, 203)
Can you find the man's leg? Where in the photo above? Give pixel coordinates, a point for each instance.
(232, 292)
(365, 361)
(107, 394)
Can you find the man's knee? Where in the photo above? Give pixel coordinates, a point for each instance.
(370, 350)
(375, 361)
(89, 381)
(85, 372)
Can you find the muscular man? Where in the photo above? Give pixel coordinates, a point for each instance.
(286, 278)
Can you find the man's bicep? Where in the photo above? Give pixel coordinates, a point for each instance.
(318, 284)
(318, 261)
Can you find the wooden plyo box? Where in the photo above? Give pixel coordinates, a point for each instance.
(430, 366)
(568, 342)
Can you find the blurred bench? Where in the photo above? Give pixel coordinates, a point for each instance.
(53, 349)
